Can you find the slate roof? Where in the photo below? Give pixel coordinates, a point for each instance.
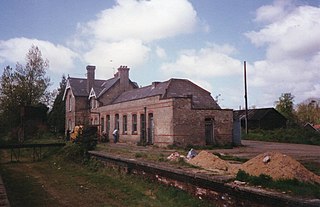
(79, 86)
(254, 114)
(173, 88)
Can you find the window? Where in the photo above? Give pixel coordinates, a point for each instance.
(134, 123)
(124, 123)
(70, 125)
(116, 121)
(108, 124)
(93, 103)
(102, 125)
(70, 102)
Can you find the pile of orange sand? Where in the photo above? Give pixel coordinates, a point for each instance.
(209, 161)
(274, 164)
(279, 166)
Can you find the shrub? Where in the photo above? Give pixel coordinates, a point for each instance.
(290, 135)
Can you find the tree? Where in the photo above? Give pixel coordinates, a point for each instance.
(23, 87)
(285, 106)
(308, 112)
(57, 114)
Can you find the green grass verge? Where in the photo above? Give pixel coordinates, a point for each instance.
(85, 184)
(290, 135)
(290, 186)
(24, 190)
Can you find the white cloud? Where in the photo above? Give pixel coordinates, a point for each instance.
(143, 20)
(292, 51)
(107, 56)
(61, 59)
(276, 11)
(161, 53)
(295, 35)
(124, 32)
(212, 61)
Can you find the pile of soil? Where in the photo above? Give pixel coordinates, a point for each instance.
(279, 166)
(210, 162)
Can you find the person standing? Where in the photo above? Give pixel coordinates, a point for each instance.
(115, 135)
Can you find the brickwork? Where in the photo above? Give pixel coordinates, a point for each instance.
(176, 111)
(175, 122)
(113, 92)
(189, 124)
(160, 109)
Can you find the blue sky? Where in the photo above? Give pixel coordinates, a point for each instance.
(205, 41)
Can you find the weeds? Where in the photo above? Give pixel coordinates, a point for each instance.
(141, 155)
(291, 186)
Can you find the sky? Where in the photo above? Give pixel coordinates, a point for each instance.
(205, 41)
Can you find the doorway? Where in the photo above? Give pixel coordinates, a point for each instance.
(209, 131)
(150, 128)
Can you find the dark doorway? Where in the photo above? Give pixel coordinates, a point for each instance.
(209, 131)
(142, 128)
(150, 128)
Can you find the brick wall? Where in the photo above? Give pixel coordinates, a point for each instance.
(174, 121)
(189, 124)
(162, 114)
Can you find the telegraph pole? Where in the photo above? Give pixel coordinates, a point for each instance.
(246, 96)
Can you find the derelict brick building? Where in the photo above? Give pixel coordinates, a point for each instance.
(176, 111)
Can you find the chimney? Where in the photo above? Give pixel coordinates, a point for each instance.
(154, 84)
(90, 77)
(123, 74)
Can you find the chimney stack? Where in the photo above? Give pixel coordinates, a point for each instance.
(90, 77)
(123, 74)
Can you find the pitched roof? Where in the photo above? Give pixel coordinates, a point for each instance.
(79, 86)
(254, 114)
(173, 88)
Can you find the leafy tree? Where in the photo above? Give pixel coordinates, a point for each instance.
(285, 106)
(308, 113)
(57, 114)
(23, 87)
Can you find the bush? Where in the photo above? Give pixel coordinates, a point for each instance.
(290, 135)
(78, 150)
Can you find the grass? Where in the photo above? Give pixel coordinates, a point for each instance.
(231, 158)
(24, 190)
(56, 181)
(289, 135)
(294, 187)
(313, 167)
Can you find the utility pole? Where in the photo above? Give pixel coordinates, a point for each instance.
(246, 96)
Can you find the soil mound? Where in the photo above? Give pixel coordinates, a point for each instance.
(279, 166)
(209, 161)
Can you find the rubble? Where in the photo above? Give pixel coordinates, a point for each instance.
(175, 156)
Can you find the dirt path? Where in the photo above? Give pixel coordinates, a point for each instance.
(250, 149)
